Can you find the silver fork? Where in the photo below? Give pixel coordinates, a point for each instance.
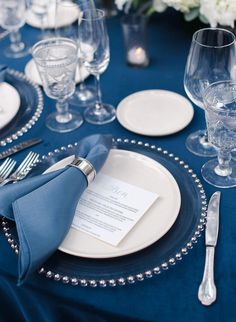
(6, 168)
(23, 169)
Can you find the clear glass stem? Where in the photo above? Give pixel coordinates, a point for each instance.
(63, 115)
(16, 43)
(98, 104)
(223, 168)
(204, 140)
(43, 35)
(82, 85)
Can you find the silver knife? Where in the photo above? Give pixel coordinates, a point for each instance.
(207, 288)
(19, 147)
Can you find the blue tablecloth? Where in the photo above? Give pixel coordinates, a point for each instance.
(172, 295)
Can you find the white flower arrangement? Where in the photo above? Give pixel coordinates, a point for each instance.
(214, 12)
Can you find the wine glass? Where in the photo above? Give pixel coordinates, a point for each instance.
(56, 61)
(95, 55)
(220, 111)
(12, 18)
(67, 15)
(211, 58)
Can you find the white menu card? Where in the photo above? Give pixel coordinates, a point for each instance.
(109, 208)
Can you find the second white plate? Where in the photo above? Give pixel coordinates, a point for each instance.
(155, 112)
(143, 172)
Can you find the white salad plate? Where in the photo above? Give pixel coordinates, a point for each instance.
(64, 17)
(155, 112)
(143, 172)
(32, 73)
(9, 103)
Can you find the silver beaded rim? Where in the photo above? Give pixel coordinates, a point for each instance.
(178, 256)
(25, 128)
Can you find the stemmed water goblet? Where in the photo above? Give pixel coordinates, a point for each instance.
(56, 61)
(95, 55)
(72, 9)
(212, 57)
(12, 18)
(220, 111)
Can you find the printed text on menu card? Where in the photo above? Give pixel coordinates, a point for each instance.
(110, 208)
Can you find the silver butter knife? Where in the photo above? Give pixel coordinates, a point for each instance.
(207, 288)
(19, 147)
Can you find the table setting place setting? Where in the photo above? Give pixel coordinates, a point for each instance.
(106, 210)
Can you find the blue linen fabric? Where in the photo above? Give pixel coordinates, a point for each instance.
(172, 295)
(43, 207)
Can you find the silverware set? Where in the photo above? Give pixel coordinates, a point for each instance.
(6, 174)
(6, 168)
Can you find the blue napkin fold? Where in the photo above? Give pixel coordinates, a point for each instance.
(2, 72)
(43, 207)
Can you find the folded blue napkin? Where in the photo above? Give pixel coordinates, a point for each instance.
(2, 72)
(43, 207)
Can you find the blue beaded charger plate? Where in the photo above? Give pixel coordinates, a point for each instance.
(147, 262)
(31, 106)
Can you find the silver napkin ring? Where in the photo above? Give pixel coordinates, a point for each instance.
(84, 166)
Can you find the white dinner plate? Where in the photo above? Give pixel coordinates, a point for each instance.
(64, 17)
(155, 112)
(146, 173)
(9, 103)
(32, 73)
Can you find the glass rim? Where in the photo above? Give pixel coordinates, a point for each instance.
(208, 105)
(213, 28)
(51, 41)
(92, 18)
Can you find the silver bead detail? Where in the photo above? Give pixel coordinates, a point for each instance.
(74, 281)
(65, 279)
(184, 251)
(93, 283)
(164, 266)
(49, 274)
(57, 277)
(130, 279)
(189, 245)
(148, 274)
(157, 270)
(140, 277)
(178, 256)
(102, 283)
(83, 282)
(172, 261)
(112, 283)
(42, 270)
